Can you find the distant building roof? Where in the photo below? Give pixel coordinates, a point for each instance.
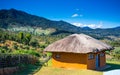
(78, 43)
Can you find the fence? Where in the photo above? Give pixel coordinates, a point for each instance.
(10, 60)
(14, 60)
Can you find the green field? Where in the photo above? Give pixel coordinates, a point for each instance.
(61, 71)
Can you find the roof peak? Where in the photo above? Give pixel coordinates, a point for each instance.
(81, 36)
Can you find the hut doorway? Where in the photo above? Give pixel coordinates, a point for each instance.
(97, 61)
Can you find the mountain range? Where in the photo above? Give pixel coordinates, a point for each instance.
(16, 20)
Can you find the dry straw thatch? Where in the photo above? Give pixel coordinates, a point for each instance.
(78, 43)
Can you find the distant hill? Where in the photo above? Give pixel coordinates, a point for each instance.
(16, 20)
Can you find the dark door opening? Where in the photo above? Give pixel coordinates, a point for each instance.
(97, 61)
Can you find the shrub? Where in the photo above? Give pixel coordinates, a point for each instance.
(15, 46)
(107, 52)
(29, 52)
(34, 43)
(4, 49)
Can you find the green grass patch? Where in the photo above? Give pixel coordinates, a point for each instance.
(29, 69)
(113, 62)
(61, 71)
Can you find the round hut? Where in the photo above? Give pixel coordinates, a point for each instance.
(78, 51)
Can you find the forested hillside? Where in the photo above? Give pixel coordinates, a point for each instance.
(16, 20)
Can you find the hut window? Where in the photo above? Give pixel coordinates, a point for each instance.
(57, 56)
(91, 56)
(102, 54)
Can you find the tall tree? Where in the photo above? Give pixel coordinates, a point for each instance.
(20, 36)
(27, 38)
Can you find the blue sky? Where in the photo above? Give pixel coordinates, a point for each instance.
(92, 13)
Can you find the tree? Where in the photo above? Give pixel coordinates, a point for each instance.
(27, 38)
(20, 36)
(34, 43)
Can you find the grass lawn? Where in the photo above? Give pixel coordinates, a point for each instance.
(29, 70)
(61, 71)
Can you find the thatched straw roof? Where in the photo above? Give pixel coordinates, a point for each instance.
(78, 43)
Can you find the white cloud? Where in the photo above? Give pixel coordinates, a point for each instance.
(77, 15)
(94, 26)
(78, 24)
(74, 15)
